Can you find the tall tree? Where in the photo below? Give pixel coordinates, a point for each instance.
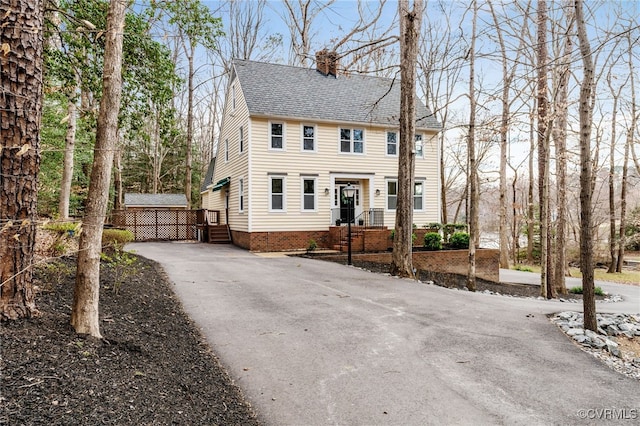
(544, 127)
(625, 162)
(84, 313)
(561, 112)
(586, 239)
(196, 27)
(21, 60)
(410, 21)
(471, 148)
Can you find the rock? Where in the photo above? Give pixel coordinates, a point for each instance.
(575, 331)
(613, 348)
(581, 338)
(590, 334)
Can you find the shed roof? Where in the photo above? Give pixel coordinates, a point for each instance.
(275, 90)
(160, 200)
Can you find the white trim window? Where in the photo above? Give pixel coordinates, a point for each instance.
(241, 195)
(352, 141)
(276, 136)
(226, 150)
(308, 137)
(392, 143)
(418, 195)
(392, 194)
(277, 200)
(419, 146)
(309, 194)
(241, 140)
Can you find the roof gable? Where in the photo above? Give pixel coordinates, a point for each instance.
(285, 91)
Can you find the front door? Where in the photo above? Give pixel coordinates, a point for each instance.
(343, 203)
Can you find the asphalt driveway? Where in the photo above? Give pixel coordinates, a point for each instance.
(317, 343)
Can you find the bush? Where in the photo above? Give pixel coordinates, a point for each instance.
(578, 290)
(459, 240)
(432, 241)
(116, 238)
(61, 228)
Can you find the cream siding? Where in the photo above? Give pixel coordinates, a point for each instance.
(327, 164)
(238, 165)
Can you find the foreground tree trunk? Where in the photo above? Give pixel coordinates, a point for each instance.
(586, 239)
(84, 314)
(402, 262)
(21, 46)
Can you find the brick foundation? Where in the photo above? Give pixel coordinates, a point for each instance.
(448, 262)
(279, 241)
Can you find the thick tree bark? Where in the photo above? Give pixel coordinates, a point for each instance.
(546, 289)
(402, 262)
(586, 239)
(473, 166)
(67, 169)
(84, 314)
(21, 47)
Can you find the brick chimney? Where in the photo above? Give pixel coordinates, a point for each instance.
(327, 62)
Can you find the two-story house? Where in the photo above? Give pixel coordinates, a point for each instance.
(292, 138)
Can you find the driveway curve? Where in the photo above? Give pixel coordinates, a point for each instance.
(317, 343)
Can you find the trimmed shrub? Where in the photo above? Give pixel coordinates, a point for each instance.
(459, 240)
(61, 228)
(116, 238)
(578, 290)
(432, 241)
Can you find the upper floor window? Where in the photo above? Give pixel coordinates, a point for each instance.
(277, 136)
(276, 194)
(226, 150)
(241, 142)
(308, 138)
(352, 140)
(419, 146)
(308, 194)
(392, 143)
(241, 195)
(418, 195)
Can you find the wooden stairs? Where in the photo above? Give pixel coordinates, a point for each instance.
(218, 234)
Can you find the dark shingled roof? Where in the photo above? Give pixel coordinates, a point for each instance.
(284, 91)
(166, 200)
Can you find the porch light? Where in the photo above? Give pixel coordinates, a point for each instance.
(377, 192)
(326, 191)
(349, 191)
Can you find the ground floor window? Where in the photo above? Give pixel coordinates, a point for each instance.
(276, 193)
(308, 194)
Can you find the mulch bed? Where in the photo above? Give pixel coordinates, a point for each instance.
(152, 367)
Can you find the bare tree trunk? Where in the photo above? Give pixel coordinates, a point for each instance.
(560, 138)
(188, 156)
(612, 191)
(586, 240)
(20, 118)
(473, 166)
(625, 164)
(117, 179)
(402, 262)
(543, 151)
(84, 313)
(530, 207)
(67, 169)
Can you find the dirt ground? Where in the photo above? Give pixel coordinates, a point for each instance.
(153, 367)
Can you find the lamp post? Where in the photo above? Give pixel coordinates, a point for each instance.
(349, 192)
